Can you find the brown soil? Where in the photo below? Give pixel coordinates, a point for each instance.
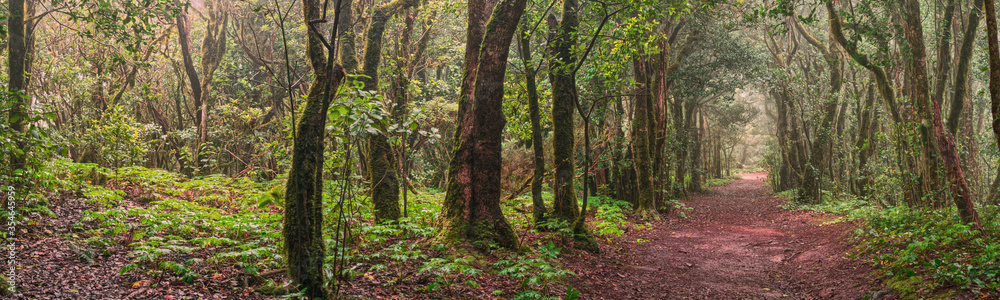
(737, 244)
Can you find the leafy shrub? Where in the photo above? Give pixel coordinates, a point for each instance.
(908, 242)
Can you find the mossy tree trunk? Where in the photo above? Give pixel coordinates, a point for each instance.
(471, 209)
(697, 155)
(911, 191)
(538, 157)
(962, 71)
(305, 248)
(929, 107)
(812, 177)
(382, 162)
(213, 48)
(641, 142)
(563, 78)
(864, 145)
(16, 86)
(679, 190)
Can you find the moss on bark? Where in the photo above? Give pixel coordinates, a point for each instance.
(383, 184)
(471, 209)
(641, 143)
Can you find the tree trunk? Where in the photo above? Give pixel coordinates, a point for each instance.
(561, 64)
(17, 86)
(945, 142)
(956, 177)
(863, 144)
(305, 247)
(812, 177)
(679, 189)
(696, 154)
(471, 209)
(911, 192)
(641, 142)
(538, 158)
(382, 161)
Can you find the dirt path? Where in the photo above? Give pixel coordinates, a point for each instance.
(737, 244)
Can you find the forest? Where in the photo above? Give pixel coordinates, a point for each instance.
(499, 149)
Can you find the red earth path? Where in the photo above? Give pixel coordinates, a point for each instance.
(736, 244)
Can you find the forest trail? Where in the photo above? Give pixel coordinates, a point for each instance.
(737, 244)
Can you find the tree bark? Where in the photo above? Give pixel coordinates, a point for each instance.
(305, 247)
(911, 192)
(812, 178)
(641, 142)
(538, 157)
(564, 95)
(945, 142)
(471, 209)
(956, 176)
(17, 86)
(382, 162)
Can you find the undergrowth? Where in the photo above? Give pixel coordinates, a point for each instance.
(217, 227)
(921, 252)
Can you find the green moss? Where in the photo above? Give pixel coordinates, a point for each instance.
(383, 185)
(910, 288)
(5, 288)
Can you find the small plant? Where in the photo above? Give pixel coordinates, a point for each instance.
(447, 273)
(535, 273)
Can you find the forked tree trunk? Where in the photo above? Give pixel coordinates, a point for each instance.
(471, 208)
(382, 161)
(305, 247)
(945, 142)
(812, 178)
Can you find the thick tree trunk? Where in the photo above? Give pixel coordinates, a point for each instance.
(305, 247)
(471, 209)
(920, 93)
(562, 63)
(641, 142)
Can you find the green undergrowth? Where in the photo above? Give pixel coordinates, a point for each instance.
(717, 182)
(921, 253)
(216, 227)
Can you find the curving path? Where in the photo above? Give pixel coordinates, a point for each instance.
(737, 244)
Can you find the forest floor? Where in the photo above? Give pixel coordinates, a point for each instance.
(737, 244)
